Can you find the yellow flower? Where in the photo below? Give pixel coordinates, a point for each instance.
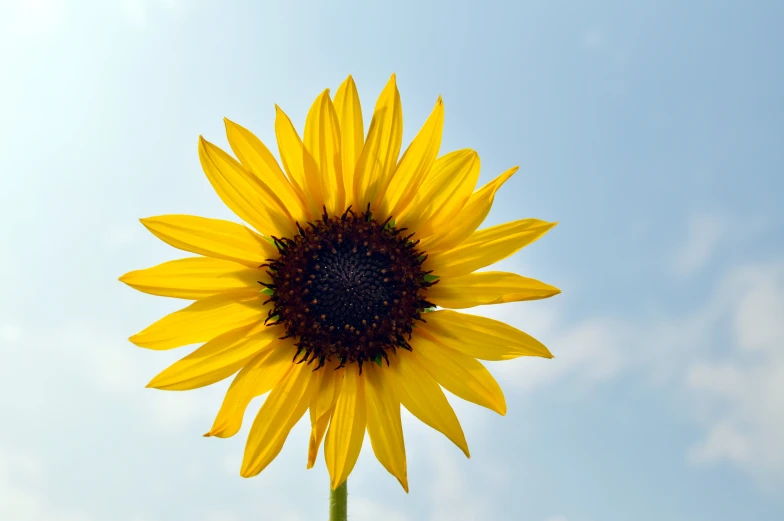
(335, 304)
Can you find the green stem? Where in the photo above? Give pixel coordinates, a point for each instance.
(338, 503)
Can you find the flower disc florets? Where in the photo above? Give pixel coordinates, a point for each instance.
(348, 288)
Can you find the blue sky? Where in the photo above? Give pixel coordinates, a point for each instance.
(651, 130)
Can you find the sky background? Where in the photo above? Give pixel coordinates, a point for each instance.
(651, 130)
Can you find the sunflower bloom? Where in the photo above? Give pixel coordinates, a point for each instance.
(338, 299)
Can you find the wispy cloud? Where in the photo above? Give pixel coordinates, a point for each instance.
(742, 389)
(724, 358)
(587, 350)
(704, 235)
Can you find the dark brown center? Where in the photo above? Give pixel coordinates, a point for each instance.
(348, 288)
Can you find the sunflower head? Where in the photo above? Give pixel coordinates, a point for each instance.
(347, 288)
(341, 302)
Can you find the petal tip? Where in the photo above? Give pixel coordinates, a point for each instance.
(156, 383)
(246, 472)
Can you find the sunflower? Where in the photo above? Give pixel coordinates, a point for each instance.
(341, 302)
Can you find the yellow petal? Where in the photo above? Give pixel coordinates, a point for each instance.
(422, 396)
(194, 278)
(486, 247)
(329, 389)
(322, 140)
(450, 229)
(459, 374)
(203, 320)
(298, 163)
(322, 406)
(282, 409)
(245, 194)
(212, 237)
(445, 190)
(257, 158)
(378, 158)
(258, 377)
(352, 132)
(317, 430)
(488, 287)
(415, 163)
(347, 427)
(480, 337)
(219, 358)
(383, 423)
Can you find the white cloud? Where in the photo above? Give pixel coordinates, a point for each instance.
(723, 360)
(742, 391)
(590, 351)
(704, 235)
(556, 518)
(759, 317)
(722, 442)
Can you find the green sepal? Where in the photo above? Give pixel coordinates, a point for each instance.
(268, 291)
(378, 360)
(430, 277)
